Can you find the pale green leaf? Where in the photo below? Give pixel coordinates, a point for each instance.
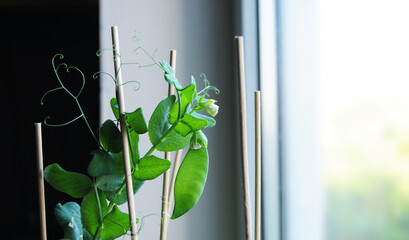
(65, 213)
(72, 231)
(166, 67)
(170, 78)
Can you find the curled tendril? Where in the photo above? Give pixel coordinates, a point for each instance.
(135, 36)
(49, 91)
(82, 76)
(99, 52)
(122, 63)
(143, 220)
(116, 51)
(60, 65)
(97, 74)
(139, 47)
(62, 87)
(135, 88)
(208, 87)
(61, 124)
(138, 65)
(67, 69)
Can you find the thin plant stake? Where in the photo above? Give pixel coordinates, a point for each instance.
(166, 174)
(176, 166)
(40, 177)
(243, 133)
(178, 153)
(124, 133)
(257, 108)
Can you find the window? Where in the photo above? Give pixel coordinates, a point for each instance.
(344, 117)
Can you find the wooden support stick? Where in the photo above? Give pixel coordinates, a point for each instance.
(40, 178)
(124, 133)
(243, 127)
(257, 107)
(166, 175)
(178, 159)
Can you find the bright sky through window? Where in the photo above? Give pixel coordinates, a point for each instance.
(363, 69)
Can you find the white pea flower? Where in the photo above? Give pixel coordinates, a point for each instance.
(210, 106)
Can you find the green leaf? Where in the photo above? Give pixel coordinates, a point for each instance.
(115, 108)
(121, 197)
(166, 67)
(190, 181)
(159, 122)
(171, 79)
(115, 224)
(110, 137)
(151, 167)
(109, 183)
(159, 125)
(74, 184)
(72, 231)
(90, 212)
(112, 181)
(210, 121)
(65, 213)
(187, 96)
(173, 142)
(101, 163)
(137, 121)
(193, 122)
(134, 138)
(109, 187)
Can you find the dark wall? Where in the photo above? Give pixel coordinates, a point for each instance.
(30, 36)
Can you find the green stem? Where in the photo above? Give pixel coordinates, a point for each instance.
(99, 229)
(110, 207)
(86, 121)
(96, 236)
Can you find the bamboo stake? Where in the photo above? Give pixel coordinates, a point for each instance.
(40, 179)
(124, 130)
(243, 127)
(257, 108)
(176, 166)
(166, 174)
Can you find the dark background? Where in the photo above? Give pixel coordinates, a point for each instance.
(32, 32)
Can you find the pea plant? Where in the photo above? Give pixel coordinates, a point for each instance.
(176, 123)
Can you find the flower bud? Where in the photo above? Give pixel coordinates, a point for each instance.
(210, 106)
(213, 110)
